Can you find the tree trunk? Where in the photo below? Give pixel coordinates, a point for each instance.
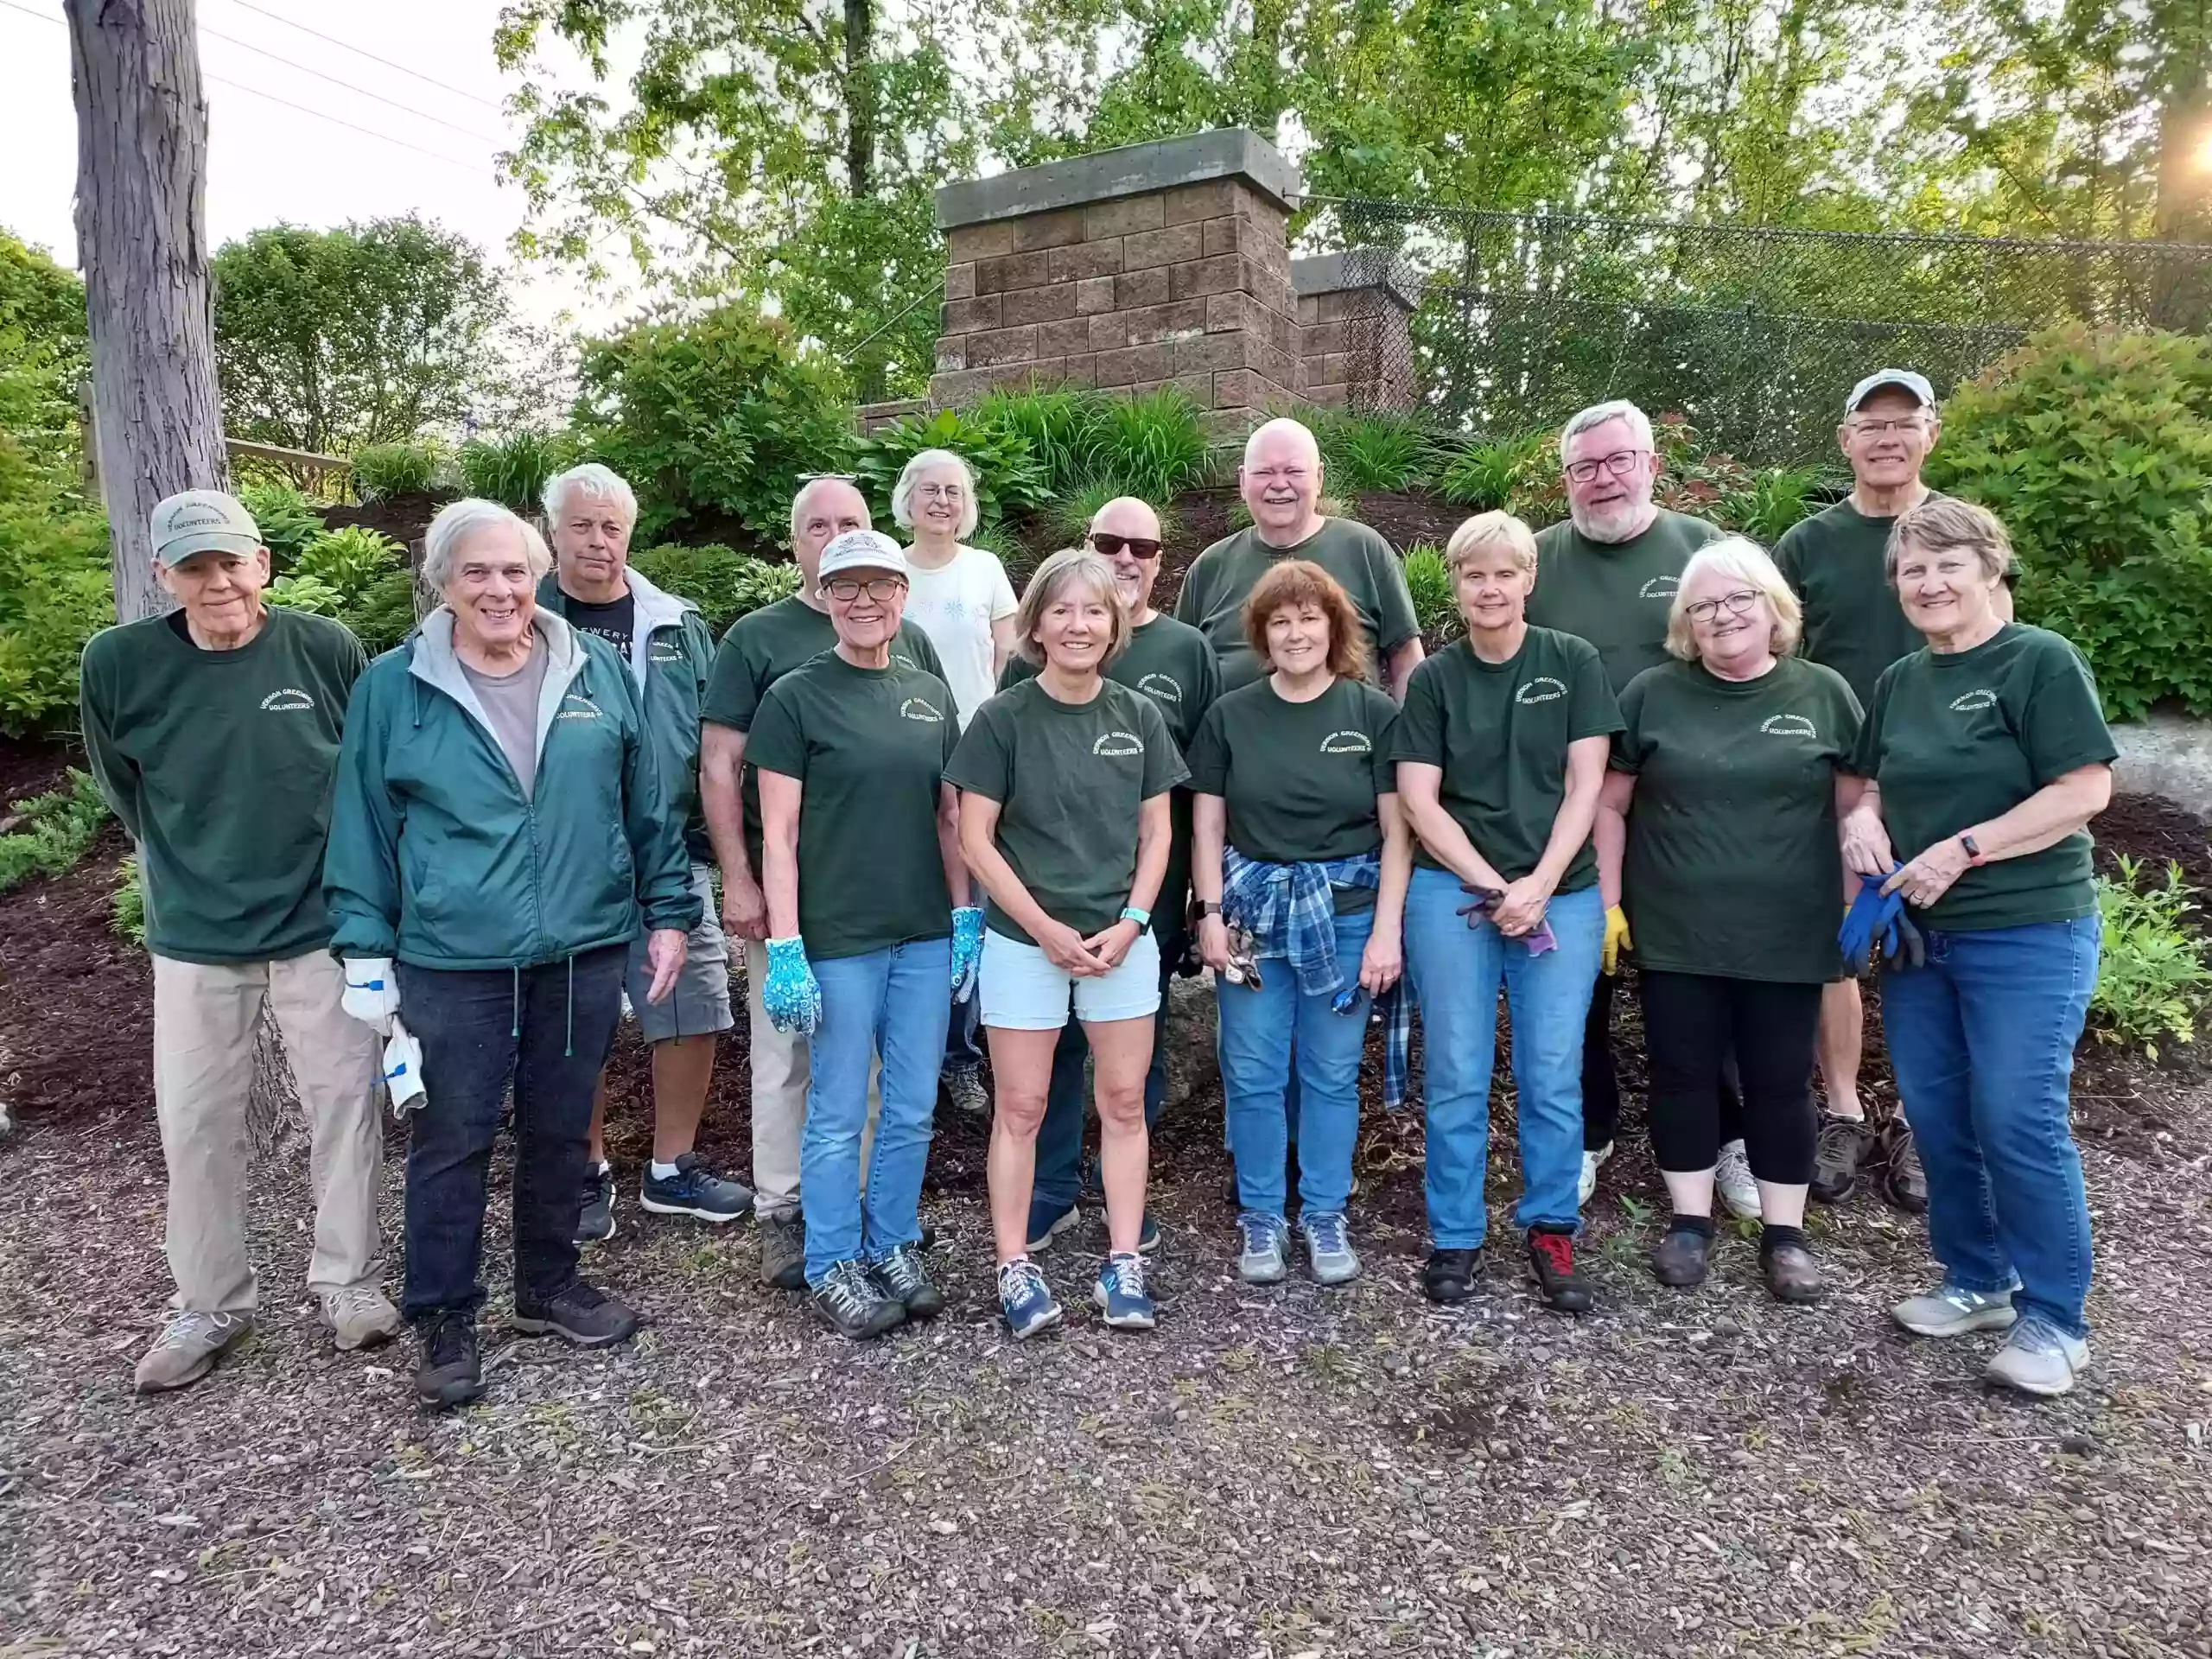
(2184, 201)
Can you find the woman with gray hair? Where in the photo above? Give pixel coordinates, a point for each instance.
(1986, 755)
(1717, 829)
(498, 835)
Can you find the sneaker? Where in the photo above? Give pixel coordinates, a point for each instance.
(2039, 1359)
(1948, 1310)
(1591, 1163)
(906, 1280)
(1262, 1256)
(782, 1252)
(694, 1191)
(1329, 1257)
(1047, 1221)
(582, 1314)
(359, 1317)
(1842, 1147)
(1683, 1258)
(451, 1369)
(595, 1221)
(1731, 1177)
(1148, 1236)
(1450, 1275)
(1026, 1299)
(1551, 1258)
(965, 1088)
(188, 1349)
(1904, 1182)
(851, 1305)
(1119, 1293)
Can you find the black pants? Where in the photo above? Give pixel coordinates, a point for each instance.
(547, 1030)
(1692, 1023)
(1601, 1087)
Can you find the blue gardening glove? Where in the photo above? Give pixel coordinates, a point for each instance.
(967, 950)
(1870, 914)
(790, 993)
(1902, 946)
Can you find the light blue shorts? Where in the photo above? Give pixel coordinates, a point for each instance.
(1022, 990)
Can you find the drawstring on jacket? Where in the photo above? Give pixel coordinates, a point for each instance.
(570, 1051)
(514, 1007)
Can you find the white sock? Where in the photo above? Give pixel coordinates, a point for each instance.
(665, 1172)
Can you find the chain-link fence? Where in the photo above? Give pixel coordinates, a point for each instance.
(1507, 322)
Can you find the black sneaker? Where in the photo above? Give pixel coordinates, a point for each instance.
(694, 1191)
(849, 1304)
(1450, 1275)
(451, 1371)
(1842, 1147)
(1904, 1182)
(782, 1252)
(1682, 1258)
(906, 1281)
(582, 1314)
(1551, 1258)
(596, 1222)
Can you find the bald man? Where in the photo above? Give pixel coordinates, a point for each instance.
(1281, 482)
(1173, 664)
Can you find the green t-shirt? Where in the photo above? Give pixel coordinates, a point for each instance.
(220, 765)
(760, 649)
(1301, 779)
(1500, 731)
(1616, 595)
(1221, 578)
(1069, 779)
(869, 748)
(1170, 663)
(1734, 867)
(1835, 562)
(1957, 739)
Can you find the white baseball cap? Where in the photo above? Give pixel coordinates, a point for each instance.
(1905, 380)
(860, 550)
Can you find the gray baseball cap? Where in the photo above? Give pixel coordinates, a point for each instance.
(203, 521)
(1905, 379)
(861, 549)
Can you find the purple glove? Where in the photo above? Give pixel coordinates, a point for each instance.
(1539, 939)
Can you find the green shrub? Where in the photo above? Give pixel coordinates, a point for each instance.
(56, 593)
(1361, 453)
(54, 830)
(1009, 481)
(1061, 430)
(2095, 447)
(512, 470)
(722, 582)
(359, 577)
(286, 520)
(384, 611)
(1489, 477)
(127, 906)
(308, 594)
(351, 560)
(1069, 517)
(1153, 447)
(1436, 608)
(2152, 976)
(1774, 500)
(715, 416)
(384, 470)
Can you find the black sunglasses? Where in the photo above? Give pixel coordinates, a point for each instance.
(1141, 547)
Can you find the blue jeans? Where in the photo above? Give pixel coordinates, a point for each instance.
(1060, 1137)
(1456, 969)
(890, 1001)
(1258, 1030)
(1982, 1040)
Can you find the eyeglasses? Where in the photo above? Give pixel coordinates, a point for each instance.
(1141, 547)
(940, 491)
(1705, 610)
(1620, 464)
(882, 589)
(1883, 429)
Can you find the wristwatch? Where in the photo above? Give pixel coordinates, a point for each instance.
(1131, 913)
(1974, 852)
(1208, 907)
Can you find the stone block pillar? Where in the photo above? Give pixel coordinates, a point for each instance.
(1152, 265)
(1356, 346)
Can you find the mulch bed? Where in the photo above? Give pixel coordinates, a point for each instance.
(29, 768)
(76, 998)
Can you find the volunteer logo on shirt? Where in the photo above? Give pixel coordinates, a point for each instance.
(920, 708)
(665, 653)
(1967, 702)
(1542, 688)
(905, 662)
(1347, 743)
(290, 701)
(1788, 725)
(1660, 588)
(1162, 687)
(1118, 744)
(577, 707)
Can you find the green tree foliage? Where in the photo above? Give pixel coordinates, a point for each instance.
(722, 582)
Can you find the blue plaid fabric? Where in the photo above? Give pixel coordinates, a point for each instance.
(1291, 914)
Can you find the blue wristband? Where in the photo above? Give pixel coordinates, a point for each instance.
(1131, 913)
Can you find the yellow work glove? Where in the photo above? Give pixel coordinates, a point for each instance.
(1616, 938)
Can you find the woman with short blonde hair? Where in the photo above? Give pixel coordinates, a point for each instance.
(1487, 527)
(1748, 569)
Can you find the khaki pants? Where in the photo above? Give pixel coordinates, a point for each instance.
(204, 1020)
(781, 1072)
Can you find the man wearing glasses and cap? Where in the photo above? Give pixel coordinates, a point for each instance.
(1836, 562)
(214, 733)
(1174, 663)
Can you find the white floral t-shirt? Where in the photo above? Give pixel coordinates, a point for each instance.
(956, 605)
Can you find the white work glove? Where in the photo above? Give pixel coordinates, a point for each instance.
(402, 1069)
(372, 992)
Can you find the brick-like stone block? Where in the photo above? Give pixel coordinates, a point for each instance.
(1110, 332)
(952, 352)
(1054, 230)
(1053, 303)
(1210, 353)
(1330, 368)
(972, 242)
(1165, 247)
(1239, 234)
(1002, 345)
(969, 316)
(1086, 259)
(1120, 217)
(1225, 312)
(1327, 397)
(1282, 334)
(1060, 338)
(960, 282)
(1281, 368)
(1135, 365)
(1198, 277)
(1193, 201)
(1094, 294)
(1079, 370)
(1132, 289)
(1309, 310)
(1169, 321)
(966, 385)
(1324, 338)
(1246, 389)
(1014, 270)
(1226, 428)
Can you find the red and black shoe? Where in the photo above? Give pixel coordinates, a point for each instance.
(1551, 1259)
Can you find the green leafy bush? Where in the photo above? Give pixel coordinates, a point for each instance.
(1429, 580)
(712, 416)
(351, 560)
(359, 577)
(309, 594)
(1489, 477)
(55, 594)
(1008, 479)
(1153, 447)
(1062, 430)
(722, 582)
(2095, 447)
(127, 906)
(286, 520)
(384, 611)
(2152, 976)
(1069, 516)
(1361, 453)
(52, 831)
(384, 470)
(1774, 500)
(512, 470)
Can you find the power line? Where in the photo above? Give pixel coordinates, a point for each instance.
(347, 46)
(421, 115)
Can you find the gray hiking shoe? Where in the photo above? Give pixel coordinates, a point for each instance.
(2039, 1359)
(782, 1252)
(1262, 1256)
(1329, 1255)
(1948, 1310)
(359, 1317)
(188, 1349)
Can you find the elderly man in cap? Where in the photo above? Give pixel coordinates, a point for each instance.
(591, 511)
(214, 732)
(758, 650)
